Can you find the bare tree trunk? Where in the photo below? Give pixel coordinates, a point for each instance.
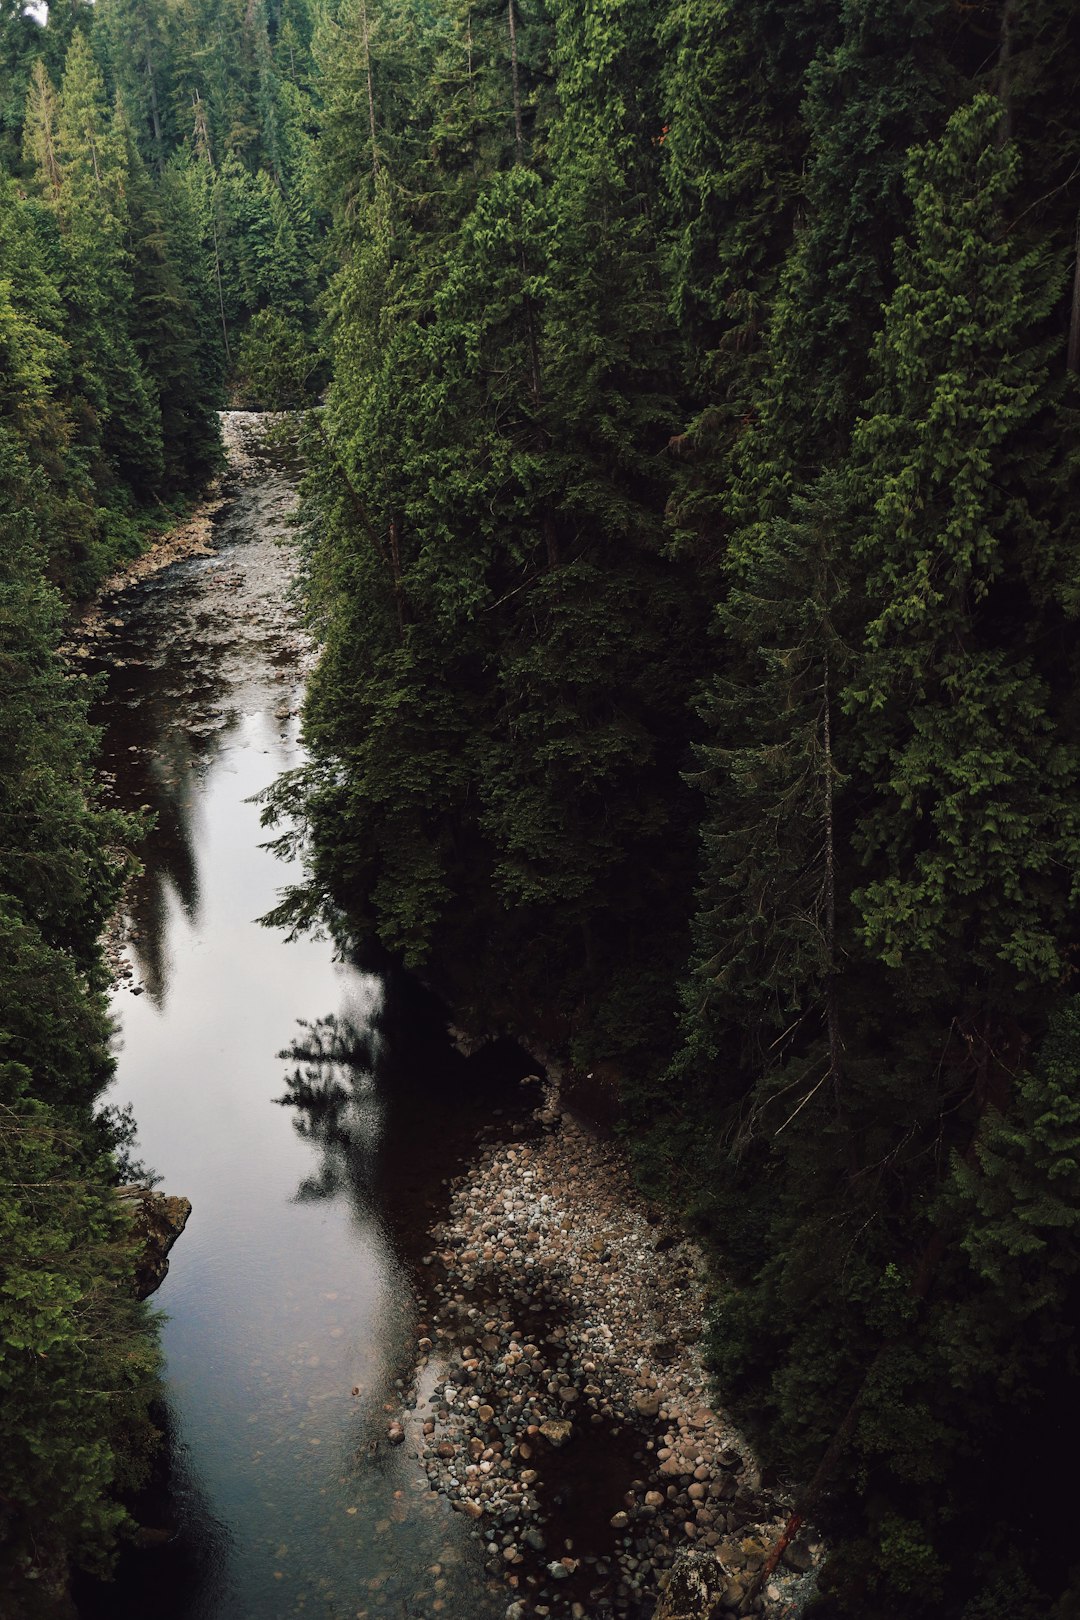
(202, 131)
(1005, 58)
(51, 164)
(370, 89)
(155, 113)
(832, 1016)
(1073, 361)
(44, 98)
(220, 289)
(202, 146)
(519, 134)
(395, 568)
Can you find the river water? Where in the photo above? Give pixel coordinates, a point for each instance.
(291, 1308)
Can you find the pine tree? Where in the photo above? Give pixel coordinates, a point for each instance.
(956, 725)
(20, 43)
(81, 171)
(77, 1361)
(173, 345)
(134, 44)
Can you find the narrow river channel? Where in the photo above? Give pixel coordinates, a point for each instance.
(291, 1310)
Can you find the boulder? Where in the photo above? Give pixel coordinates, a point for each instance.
(556, 1431)
(157, 1221)
(698, 1585)
(797, 1556)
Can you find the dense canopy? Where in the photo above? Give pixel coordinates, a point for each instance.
(691, 542)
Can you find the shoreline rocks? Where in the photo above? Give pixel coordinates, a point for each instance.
(559, 1400)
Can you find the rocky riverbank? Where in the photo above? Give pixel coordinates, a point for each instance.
(560, 1400)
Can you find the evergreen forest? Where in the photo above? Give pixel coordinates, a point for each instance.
(690, 539)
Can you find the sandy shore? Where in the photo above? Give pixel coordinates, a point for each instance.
(561, 1402)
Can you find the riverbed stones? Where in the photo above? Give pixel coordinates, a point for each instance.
(587, 1462)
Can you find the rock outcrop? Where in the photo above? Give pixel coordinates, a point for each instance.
(157, 1221)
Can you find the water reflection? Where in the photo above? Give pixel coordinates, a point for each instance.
(289, 1291)
(188, 655)
(337, 1108)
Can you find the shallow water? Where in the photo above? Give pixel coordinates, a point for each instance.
(290, 1306)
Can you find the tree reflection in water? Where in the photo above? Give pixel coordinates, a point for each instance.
(338, 1110)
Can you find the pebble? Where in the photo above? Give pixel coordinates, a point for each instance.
(548, 1293)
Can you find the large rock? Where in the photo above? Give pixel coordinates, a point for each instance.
(157, 1221)
(697, 1588)
(557, 1431)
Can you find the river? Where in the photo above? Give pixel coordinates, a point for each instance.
(291, 1308)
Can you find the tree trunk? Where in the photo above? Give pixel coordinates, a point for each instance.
(202, 146)
(155, 113)
(994, 1069)
(395, 568)
(551, 538)
(1005, 66)
(202, 132)
(831, 1012)
(45, 99)
(519, 134)
(370, 89)
(1073, 360)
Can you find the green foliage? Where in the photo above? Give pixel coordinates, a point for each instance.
(77, 1362)
(693, 501)
(275, 363)
(495, 743)
(77, 1354)
(955, 719)
(714, 216)
(889, 877)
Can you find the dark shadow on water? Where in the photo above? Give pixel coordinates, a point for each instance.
(179, 1550)
(162, 729)
(395, 1110)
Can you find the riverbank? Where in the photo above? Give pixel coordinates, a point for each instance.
(560, 1400)
(192, 536)
(250, 606)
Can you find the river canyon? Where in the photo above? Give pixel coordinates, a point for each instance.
(307, 1108)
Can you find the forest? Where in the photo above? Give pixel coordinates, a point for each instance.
(690, 542)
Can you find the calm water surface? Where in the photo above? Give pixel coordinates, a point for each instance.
(290, 1310)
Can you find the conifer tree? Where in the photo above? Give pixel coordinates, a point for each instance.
(926, 765)
(20, 43)
(81, 171)
(955, 723)
(77, 1362)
